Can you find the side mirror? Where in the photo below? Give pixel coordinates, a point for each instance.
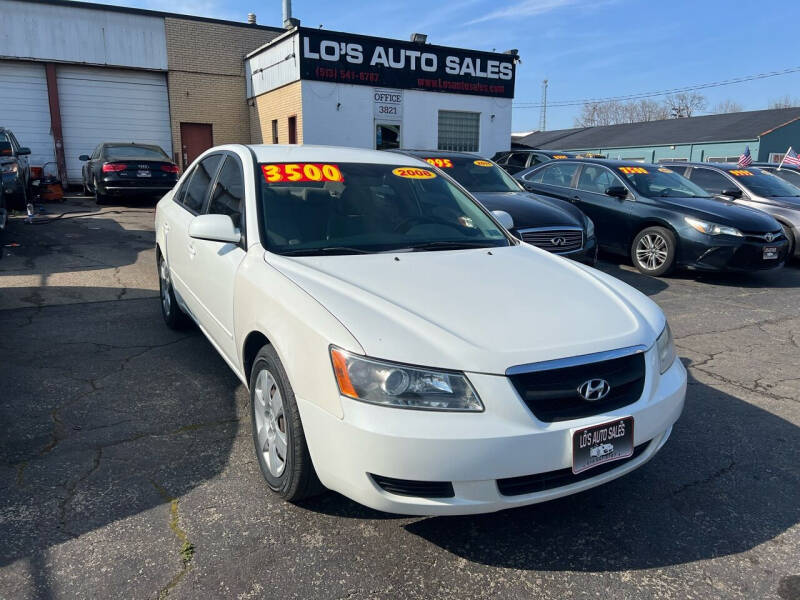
(215, 228)
(732, 193)
(504, 218)
(83, 157)
(23, 151)
(617, 191)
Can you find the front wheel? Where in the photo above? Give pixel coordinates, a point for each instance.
(653, 251)
(174, 317)
(278, 432)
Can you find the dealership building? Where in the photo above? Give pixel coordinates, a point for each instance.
(75, 74)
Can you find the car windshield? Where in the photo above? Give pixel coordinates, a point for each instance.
(355, 208)
(5, 145)
(763, 183)
(661, 182)
(475, 174)
(792, 177)
(137, 152)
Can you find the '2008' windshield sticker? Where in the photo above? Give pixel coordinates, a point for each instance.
(633, 170)
(300, 172)
(483, 163)
(413, 173)
(442, 163)
(741, 173)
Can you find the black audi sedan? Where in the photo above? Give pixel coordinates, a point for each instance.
(548, 223)
(660, 219)
(119, 169)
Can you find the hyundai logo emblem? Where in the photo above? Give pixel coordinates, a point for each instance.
(769, 237)
(558, 241)
(594, 390)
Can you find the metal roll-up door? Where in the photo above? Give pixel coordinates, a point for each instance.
(111, 105)
(24, 108)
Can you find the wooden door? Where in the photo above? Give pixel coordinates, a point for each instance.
(196, 138)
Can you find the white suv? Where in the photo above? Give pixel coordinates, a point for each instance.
(400, 347)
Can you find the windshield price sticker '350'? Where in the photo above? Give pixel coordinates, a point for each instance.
(442, 163)
(412, 173)
(299, 172)
(633, 170)
(741, 173)
(483, 163)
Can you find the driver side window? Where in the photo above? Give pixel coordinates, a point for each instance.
(710, 181)
(597, 179)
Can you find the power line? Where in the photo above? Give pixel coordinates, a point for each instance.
(702, 86)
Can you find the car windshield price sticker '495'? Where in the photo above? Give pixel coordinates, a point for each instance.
(298, 172)
(559, 156)
(442, 163)
(741, 173)
(599, 444)
(412, 173)
(483, 163)
(633, 170)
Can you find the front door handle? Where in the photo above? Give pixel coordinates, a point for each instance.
(574, 198)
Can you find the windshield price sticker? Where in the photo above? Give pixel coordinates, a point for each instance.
(412, 173)
(741, 173)
(665, 170)
(442, 163)
(483, 163)
(559, 156)
(300, 172)
(633, 170)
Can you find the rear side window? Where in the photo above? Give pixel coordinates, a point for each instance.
(597, 179)
(197, 189)
(228, 194)
(517, 159)
(710, 181)
(558, 174)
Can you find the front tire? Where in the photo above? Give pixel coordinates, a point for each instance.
(174, 317)
(653, 251)
(278, 434)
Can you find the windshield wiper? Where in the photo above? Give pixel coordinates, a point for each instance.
(451, 245)
(326, 250)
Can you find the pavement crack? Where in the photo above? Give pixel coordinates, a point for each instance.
(187, 548)
(715, 475)
(70, 488)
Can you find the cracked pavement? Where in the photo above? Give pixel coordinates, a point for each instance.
(127, 470)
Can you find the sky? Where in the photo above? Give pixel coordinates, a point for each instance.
(586, 49)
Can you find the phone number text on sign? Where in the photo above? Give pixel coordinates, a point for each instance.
(298, 172)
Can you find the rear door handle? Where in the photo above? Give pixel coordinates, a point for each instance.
(192, 250)
(574, 198)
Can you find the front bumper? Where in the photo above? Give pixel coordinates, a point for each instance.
(586, 255)
(473, 450)
(725, 253)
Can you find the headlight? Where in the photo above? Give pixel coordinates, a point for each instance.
(666, 349)
(712, 228)
(589, 227)
(8, 168)
(391, 384)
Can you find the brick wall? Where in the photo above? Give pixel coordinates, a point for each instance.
(206, 78)
(279, 104)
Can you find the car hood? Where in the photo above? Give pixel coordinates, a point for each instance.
(528, 210)
(475, 310)
(724, 212)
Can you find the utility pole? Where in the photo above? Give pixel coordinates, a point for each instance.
(543, 108)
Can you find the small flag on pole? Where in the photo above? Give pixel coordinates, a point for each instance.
(791, 158)
(745, 160)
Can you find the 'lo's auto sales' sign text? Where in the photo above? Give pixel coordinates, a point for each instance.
(360, 60)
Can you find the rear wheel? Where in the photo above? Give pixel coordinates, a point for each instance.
(99, 197)
(653, 251)
(278, 434)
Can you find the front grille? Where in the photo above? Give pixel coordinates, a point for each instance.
(762, 237)
(529, 484)
(552, 394)
(557, 241)
(419, 489)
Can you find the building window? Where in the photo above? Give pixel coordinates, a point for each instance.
(776, 157)
(723, 159)
(662, 160)
(459, 131)
(292, 130)
(274, 131)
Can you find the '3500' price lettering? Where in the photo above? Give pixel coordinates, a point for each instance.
(296, 172)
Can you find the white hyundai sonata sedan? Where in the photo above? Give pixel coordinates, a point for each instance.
(400, 347)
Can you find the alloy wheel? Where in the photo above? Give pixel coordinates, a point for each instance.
(163, 275)
(270, 423)
(652, 251)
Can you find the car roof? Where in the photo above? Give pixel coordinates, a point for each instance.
(721, 166)
(436, 153)
(282, 153)
(595, 161)
(546, 152)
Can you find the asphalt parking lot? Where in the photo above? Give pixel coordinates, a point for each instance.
(127, 465)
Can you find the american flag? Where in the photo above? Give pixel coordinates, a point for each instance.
(791, 158)
(745, 160)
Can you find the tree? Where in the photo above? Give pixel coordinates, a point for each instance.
(786, 102)
(595, 114)
(727, 106)
(685, 104)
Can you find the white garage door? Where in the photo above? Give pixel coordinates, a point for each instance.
(24, 108)
(111, 105)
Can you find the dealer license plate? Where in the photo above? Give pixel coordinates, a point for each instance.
(600, 444)
(142, 173)
(770, 253)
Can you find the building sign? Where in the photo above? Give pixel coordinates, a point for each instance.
(388, 103)
(361, 60)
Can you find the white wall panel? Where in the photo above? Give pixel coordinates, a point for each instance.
(82, 35)
(111, 105)
(273, 67)
(24, 108)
